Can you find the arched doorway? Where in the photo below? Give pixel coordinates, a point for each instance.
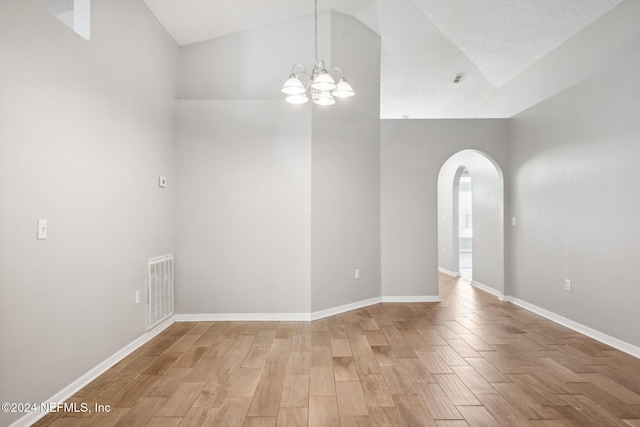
(476, 174)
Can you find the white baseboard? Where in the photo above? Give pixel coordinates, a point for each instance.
(488, 289)
(448, 272)
(344, 308)
(298, 317)
(243, 317)
(419, 298)
(94, 373)
(578, 327)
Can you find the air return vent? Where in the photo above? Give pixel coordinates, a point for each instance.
(160, 280)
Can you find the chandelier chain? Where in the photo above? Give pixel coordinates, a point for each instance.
(316, 29)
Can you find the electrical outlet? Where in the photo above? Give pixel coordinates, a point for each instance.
(137, 297)
(357, 273)
(567, 285)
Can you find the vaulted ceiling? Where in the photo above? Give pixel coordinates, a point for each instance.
(425, 43)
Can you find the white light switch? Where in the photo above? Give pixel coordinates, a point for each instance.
(513, 221)
(357, 273)
(138, 297)
(162, 181)
(42, 229)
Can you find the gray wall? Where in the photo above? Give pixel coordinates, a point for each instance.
(243, 207)
(86, 128)
(275, 201)
(243, 167)
(345, 175)
(251, 64)
(574, 174)
(412, 154)
(487, 212)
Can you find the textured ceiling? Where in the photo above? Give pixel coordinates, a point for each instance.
(425, 43)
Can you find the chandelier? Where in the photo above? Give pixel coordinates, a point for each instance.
(320, 85)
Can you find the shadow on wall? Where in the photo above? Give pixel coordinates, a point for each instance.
(488, 219)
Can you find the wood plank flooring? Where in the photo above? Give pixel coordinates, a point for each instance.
(470, 360)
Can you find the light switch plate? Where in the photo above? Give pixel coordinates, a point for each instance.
(162, 181)
(43, 229)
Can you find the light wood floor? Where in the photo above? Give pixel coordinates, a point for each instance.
(468, 361)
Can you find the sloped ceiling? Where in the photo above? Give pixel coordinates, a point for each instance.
(425, 43)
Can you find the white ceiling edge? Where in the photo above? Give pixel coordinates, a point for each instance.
(425, 43)
(193, 21)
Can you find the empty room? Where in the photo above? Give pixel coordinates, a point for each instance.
(319, 213)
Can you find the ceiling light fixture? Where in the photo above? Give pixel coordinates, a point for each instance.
(321, 86)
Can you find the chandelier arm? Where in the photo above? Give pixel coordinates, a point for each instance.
(339, 70)
(302, 75)
(304, 79)
(293, 70)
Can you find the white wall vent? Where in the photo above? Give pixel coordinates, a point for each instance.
(160, 292)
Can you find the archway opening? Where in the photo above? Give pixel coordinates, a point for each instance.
(470, 220)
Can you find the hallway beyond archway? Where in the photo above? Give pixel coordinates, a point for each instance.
(470, 220)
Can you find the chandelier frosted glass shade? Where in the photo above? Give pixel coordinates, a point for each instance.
(343, 89)
(293, 86)
(322, 81)
(323, 98)
(297, 99)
